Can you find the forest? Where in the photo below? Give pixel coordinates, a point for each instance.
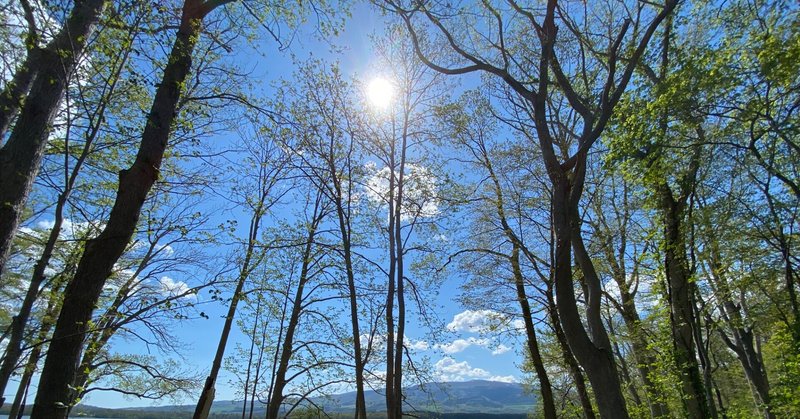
(610, 188)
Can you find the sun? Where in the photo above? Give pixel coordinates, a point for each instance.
(380, 92)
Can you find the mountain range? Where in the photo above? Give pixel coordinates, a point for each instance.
(468, 399)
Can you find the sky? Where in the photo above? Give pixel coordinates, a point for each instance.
(464, 351)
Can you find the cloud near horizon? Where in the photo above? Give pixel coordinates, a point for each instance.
(448, 369)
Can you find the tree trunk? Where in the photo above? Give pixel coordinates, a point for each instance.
(391, 400)
(680, 290)
(36, 352)
(275, 402)
(343, 216)
(13, 95)
(593, 353)
(102, 252)
(533, 345)
(21, 156)
(641, 353)
(569, 358)
(615, 256)
(743, 343)
(207, 395)
(20, 321)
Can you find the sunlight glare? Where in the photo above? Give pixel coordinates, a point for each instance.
(379, 93)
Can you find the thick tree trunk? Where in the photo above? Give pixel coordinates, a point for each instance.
(21, 156)
(20, 321)
(593, 353)
(682, 319)
(102, 252)
(569, 358)
(13, 95)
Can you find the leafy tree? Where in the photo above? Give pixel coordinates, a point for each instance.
(41, 81)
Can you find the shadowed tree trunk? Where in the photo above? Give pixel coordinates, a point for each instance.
(569, 358)
(102, 252)
(49, 69)
(681, 288)
(15, 90)
(545, 386)
(36, 352)
(20, 321)
(533, 344)
(287, 349)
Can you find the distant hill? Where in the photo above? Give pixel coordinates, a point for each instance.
(477, 396)
(469, 399)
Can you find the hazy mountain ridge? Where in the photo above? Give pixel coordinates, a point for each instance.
(473, 399)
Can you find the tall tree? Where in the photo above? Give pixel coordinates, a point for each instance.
(268, 162)
(108, 91)
(474, 127)
(52, 68)
(593, 100)
(329, 129)
(103, 251)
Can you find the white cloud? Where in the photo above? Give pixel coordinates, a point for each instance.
(419, 191)
(503, 378)
(448, 369)
(170, 287)
(71, 230)
(501, 349)
(459, 345)
(476, 321)
(418, 345)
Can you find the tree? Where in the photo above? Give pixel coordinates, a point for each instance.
(325, 151)
(268, 161)
(593, 100)
(102, 252)
(474, 126)
(48, 71)
(405, 185)
(117, 62)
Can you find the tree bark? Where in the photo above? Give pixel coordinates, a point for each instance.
(13, 95)
(680, 289)
(20, 321)
(36, 351)
(569, 358)
(343, 215)
(276, 399)
(545, 388)
(21, 156)
(743, 342)
(616, 258)
(593, 353)
(102, 252)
